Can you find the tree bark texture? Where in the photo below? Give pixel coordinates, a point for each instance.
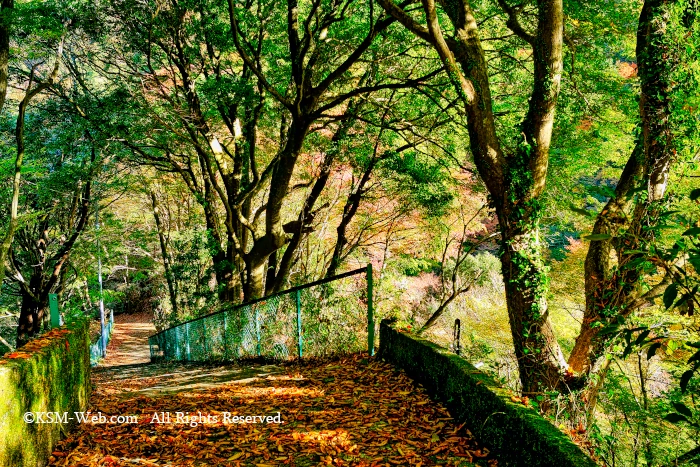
(612, 286)
(515, 179)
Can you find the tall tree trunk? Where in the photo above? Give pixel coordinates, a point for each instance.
(612, 286)
(16, 179)
(165, 254)
(515, 181)
(306, 215)
(256, 259)
(32, 314)
(540, 359)
(253, 287)
(46, 271)
(19, 138)
(599, 263)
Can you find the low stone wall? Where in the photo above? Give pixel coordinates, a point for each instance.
(516, 434)
(50, 374)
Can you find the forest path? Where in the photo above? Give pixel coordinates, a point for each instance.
(351, 412)
(129, 342)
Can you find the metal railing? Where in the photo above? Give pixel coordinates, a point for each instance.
(98, 349)
(318, 319)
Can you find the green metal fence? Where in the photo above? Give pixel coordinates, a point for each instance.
(98, 349)
(323, 318)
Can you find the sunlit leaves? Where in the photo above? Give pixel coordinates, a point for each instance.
(347, 412)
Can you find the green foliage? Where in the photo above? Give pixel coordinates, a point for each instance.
(411, 266)
(422, 181)
(120, 84)
(192, 274)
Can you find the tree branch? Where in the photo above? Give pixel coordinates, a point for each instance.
(513, 23)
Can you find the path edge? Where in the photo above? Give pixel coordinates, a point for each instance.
(517, 435)
(40, 391)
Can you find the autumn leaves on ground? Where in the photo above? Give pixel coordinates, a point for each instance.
(356, 411)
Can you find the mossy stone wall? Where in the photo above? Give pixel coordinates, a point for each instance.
(517, 435)
(50, 374)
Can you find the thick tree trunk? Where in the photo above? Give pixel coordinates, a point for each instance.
(519, 208)
(515, 181)
(540, 360)
(271, 274)
(254, 287)
(306, 216)
(612, 286)
(599, 283)
(257, 259)
(32, 314)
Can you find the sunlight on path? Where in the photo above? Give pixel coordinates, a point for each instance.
(129, 344)
(351, 412)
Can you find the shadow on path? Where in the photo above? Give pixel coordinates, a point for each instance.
(129, 343)
(351, 412)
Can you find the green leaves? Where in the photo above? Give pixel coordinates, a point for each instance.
(685, 379)
(682, 409)
(580, 211)
(692, 231)
(652, 350)
(670, 295)
(682, 414)
(422, 181)
(642, 336)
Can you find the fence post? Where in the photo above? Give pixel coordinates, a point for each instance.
(53, 306)
(257, 329)
(370, 312)
(456, 339)
(298, 296)
(206, 343)
(187, 337)
(225, 332)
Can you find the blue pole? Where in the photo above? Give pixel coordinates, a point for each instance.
(370, 312)
(299, 332)
(257, 330)
(103, 334)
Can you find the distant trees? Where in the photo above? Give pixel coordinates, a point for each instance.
(227, 99)
(514, 169)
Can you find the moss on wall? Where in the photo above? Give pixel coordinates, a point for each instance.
(50, 374)
(516, 434)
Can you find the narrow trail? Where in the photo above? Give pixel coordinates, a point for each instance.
(129, 343)
(356, 411)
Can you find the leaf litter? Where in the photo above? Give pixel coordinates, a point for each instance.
(349, 412)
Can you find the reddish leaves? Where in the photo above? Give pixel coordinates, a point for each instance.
(35, 345)
(344, 413)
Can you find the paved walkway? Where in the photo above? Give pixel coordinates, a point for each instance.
(351, 412)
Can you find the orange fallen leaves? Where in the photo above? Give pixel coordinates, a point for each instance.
(351, 412)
